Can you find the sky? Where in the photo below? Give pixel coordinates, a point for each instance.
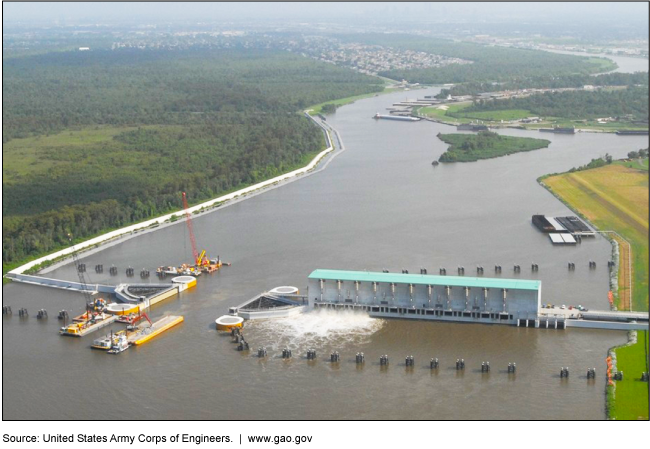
(129, 12)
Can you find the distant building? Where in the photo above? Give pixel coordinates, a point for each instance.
(84, 48)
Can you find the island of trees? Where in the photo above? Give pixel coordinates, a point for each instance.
(486, 145)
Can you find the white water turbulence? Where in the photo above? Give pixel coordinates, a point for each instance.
(316, 329)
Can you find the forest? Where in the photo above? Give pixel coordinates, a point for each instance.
(486, 145)
(100, 139)
(631, 102)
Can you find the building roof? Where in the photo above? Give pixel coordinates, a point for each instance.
(426, 279)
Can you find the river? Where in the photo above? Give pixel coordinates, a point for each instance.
(626, 64)
(380, 204)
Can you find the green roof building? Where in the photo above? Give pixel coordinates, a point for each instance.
(423, 296)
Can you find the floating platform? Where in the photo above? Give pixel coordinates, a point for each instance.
(227, 322)
(144, 335)
(562, 225)
(81, 329)
(575, 226)
(562, 239)
(122, 309)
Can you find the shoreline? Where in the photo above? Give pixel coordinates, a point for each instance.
(120, 235)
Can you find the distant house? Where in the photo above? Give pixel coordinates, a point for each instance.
(588, 87)
(84, 48)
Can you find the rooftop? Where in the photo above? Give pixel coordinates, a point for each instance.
(426, 279)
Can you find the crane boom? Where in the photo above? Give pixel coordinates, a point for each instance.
(80, 273)
(188, 221)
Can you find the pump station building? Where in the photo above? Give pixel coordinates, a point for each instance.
(428, 297)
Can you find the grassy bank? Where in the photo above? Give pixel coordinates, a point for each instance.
(317, 109)
(457, 113)
(630, 399)
(615, 197)
(486, 145)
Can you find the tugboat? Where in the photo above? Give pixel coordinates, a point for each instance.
(120, 344)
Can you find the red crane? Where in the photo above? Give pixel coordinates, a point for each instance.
(188, 220)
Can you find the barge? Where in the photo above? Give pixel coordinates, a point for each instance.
(558, 130)
(378, 116)
(145, 334)
(85, 327)
(471, 127)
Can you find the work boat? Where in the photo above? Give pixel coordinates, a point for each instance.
(105, 343)
(171, 270)
(120, 344)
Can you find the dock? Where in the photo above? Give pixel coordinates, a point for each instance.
(144, 335)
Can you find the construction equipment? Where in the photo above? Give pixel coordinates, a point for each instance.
(188, 221)
(201, 261)
(94, 308)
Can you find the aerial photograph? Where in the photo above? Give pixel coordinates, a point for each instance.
(316, 212)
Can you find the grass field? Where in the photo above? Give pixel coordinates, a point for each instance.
(442, 112)
(316, 109)
(497, 116)
(27, 156)
(639, 164)
(630, 402)
(615, 197)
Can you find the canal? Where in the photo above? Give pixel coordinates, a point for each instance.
(379, 205)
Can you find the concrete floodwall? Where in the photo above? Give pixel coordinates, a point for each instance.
(612, 325)
(57, 283)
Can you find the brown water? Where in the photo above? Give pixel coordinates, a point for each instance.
(380, 204)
